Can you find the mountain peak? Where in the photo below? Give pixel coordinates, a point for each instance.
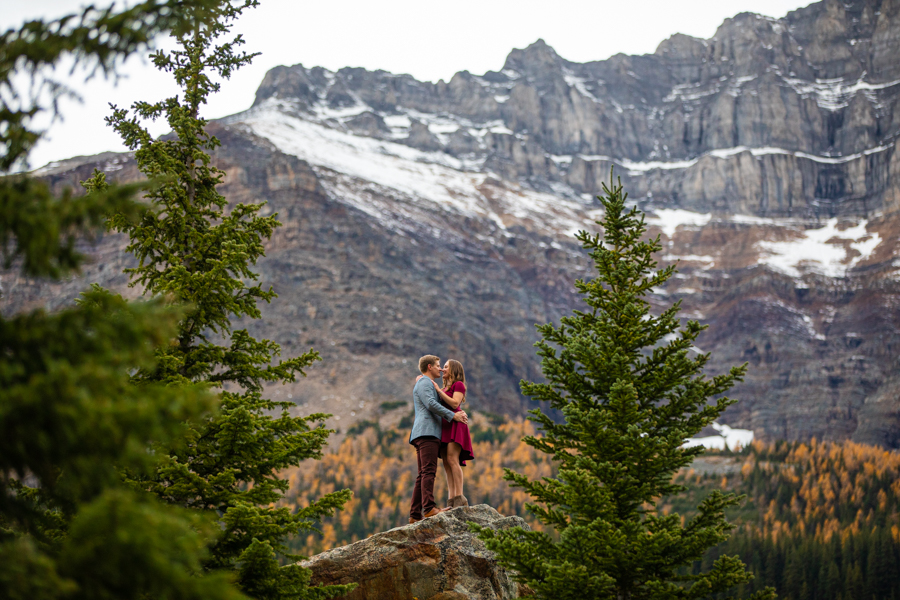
(681, 45)
(536, 57)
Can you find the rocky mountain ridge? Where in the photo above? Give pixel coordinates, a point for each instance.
(439, 218)
(770, 117)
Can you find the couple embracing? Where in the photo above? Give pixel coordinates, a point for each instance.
(440, 430)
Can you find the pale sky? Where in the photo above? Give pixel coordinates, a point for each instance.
(429, 40)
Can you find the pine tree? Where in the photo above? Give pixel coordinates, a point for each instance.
(198, 251)
(630, 392)
(69, 418)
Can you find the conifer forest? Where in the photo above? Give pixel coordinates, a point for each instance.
(819, 519)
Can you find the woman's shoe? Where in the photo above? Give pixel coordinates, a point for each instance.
(462, 501)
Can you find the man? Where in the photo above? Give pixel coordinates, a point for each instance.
(426, 436)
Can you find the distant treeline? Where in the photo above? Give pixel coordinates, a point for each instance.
(821, 520)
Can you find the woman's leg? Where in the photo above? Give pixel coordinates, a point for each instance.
(453, 451)
(459, 480)
(449, 474)
(451, 478)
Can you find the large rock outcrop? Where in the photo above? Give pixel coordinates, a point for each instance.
(435, 559)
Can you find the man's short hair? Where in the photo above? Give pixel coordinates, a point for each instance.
(426, 361)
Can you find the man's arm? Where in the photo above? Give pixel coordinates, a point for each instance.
(428, 396)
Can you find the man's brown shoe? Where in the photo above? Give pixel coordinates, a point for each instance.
(432, 512)
(413, 520)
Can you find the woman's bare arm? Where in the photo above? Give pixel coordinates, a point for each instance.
(453, 402)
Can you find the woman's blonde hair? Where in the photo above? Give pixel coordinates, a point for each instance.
(455, 373)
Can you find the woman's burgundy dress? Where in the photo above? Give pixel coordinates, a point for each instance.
(455, 431)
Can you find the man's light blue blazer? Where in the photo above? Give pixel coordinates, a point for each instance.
(429, 411)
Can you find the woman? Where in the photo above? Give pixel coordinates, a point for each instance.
(456, 444)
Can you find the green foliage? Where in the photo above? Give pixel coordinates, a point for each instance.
(821, 522)
(119, 530)
(41, 230)
(361, 426)
(386, 406)
(69, 420)
(196, 250)
(493, 418)
(492, 432)
(630, 392)
(82, 355)
(480, 433)
(35, 226)
(69, 417)
(862, 564)
(95, 39)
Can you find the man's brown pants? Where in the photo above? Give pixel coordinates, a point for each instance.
(427, 448)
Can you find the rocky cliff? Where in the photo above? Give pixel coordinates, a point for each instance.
(423, 217)
(435, 559)
(789, 117)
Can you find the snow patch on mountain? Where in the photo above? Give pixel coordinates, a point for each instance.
(462, 185)
(689, 92)
(733, 439)
(709, 260)
(835, 94)
(638, 167)
(573, 80)
(670, 219)
(416, 175)
(823, 250)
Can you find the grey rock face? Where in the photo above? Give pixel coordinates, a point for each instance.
(801, 111)
(368, 123)
(438, 558)
(373, 279)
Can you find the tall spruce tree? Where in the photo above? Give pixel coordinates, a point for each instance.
(630, 392)
(69, 418)
(198, 251)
